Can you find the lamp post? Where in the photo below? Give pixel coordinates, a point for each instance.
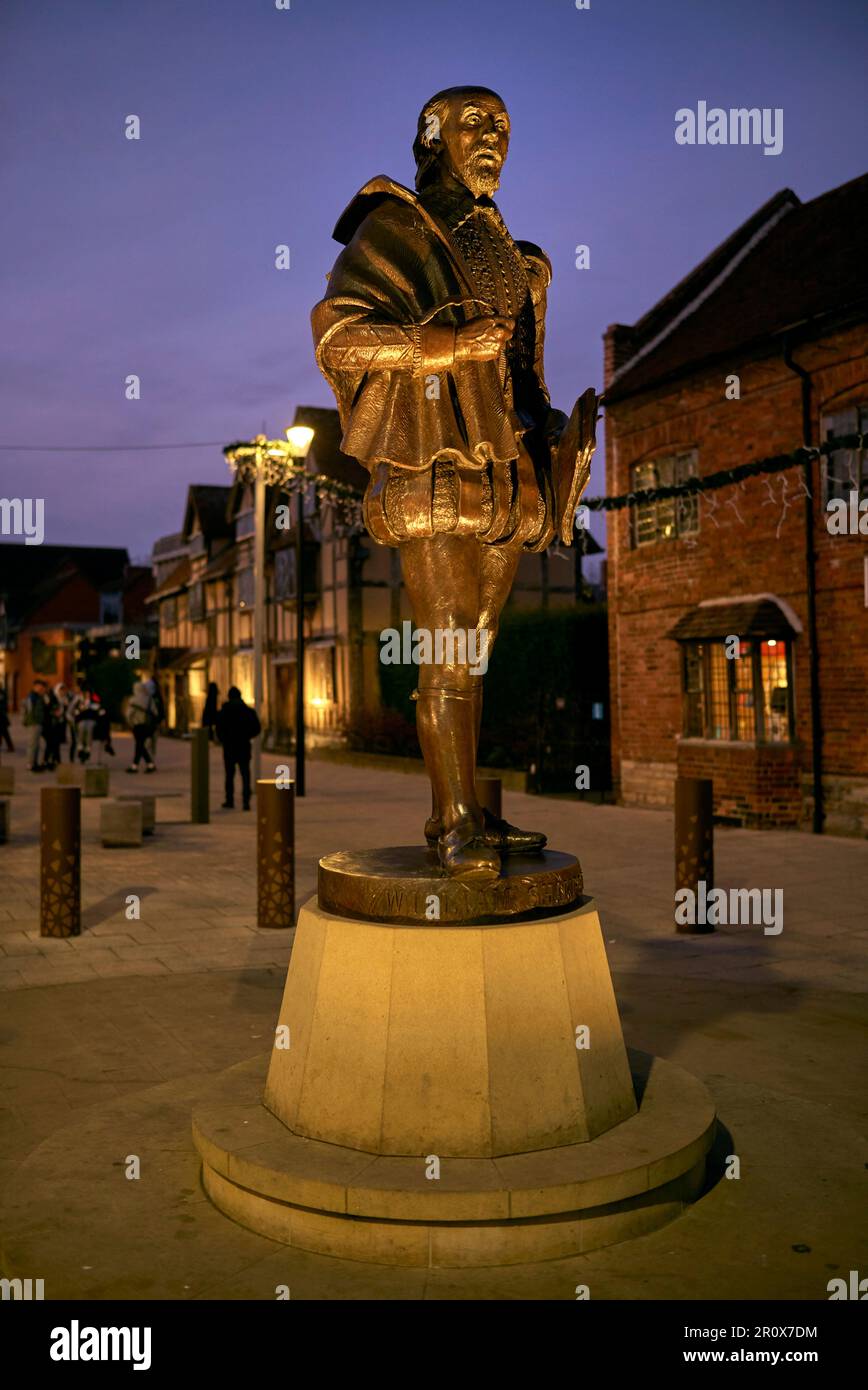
(265, 462)
(300, 438)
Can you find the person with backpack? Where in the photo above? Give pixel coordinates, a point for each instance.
(237, 725)
(35, 712)
(142, 718)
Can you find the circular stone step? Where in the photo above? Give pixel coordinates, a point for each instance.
(394, 1210)
(403, 884)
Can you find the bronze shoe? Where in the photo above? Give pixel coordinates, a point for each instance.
(498, 835)
(463, 855)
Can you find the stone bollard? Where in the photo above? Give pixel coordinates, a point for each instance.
(148, 803)
(694, 840)
(96, 781)
(275, 851)
(7, 781)
(4, 821)
(60, 862)
(120, 824)
(200, 798)
(488, 794)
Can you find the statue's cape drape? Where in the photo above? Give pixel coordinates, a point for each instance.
(399, 266)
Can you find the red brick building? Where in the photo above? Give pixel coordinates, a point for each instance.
(53, 596)
(762, 347)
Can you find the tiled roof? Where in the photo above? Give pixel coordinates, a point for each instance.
(174, 582)
(790, 263)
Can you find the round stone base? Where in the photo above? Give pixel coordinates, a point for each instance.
(421, 1211)
(405, 885)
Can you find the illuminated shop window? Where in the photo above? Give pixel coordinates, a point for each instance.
(743, 699)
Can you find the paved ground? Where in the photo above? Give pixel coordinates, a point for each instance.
(773, 1024)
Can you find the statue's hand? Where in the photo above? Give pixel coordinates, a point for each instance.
(482, 339)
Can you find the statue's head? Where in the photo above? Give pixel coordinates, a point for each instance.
(463, 131)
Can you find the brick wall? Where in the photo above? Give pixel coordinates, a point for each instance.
(755, 546)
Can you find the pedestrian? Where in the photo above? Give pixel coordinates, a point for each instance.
(102, 732)
(4, 720)
(34, 715)
(159, 715)
(237, 724)
(74, 703)
(209, 713)
(55, 724)
(85, 718)
(141, 717)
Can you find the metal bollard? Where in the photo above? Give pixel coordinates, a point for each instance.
(275, 853)
(60, 862)
(200, 797)
(488, 794)
(694, 840)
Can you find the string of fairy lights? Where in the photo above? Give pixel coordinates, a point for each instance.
(344, 502)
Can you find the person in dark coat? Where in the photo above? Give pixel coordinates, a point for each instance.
(4, 720)
(237, 725)
(209, 713)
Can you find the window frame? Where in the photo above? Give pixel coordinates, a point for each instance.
(701, 648)
(681, 506)
(857, 424)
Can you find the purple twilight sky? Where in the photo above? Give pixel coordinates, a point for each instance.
(156, 256)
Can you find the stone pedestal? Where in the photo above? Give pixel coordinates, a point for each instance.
(120, 824)
(7, 781)
(148, 803)
(443, 1094)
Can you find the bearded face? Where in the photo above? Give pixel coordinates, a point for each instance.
(475, 138)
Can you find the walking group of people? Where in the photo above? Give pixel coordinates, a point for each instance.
(59, 715)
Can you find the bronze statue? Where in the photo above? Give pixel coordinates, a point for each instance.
(431, 337)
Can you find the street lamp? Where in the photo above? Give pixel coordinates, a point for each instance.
(299, 438)
(266, 462)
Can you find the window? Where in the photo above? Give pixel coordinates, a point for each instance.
(43, 657)
(197, 603)
(284, 574)
(744, 699)
(320, 672)
(846, 470)
(109, 608)
(670, 517)
(245, 588)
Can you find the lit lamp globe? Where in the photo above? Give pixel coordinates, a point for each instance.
(300, 438)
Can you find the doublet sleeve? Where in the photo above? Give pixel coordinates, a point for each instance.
(365, 345)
